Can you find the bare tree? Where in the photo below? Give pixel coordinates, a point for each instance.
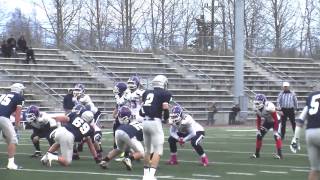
(62, 18)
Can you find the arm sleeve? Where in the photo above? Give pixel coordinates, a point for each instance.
(191, 134)
(258, 122)
(173, 132)
(275, 120)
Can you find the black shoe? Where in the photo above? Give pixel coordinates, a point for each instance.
(80, 147)
(75, 157)
(36, 154)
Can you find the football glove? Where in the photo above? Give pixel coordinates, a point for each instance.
(295, 145)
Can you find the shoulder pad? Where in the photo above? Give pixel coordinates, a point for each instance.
(269, 106)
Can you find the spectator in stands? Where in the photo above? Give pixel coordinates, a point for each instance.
(12, 44)
(5, 51)
(233, 114)
(22, 44)
(30, 55)
(212, 110)
(68, 103)
(287, 102)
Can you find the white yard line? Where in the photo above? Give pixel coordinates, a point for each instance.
(206, 175)
(275, 172)
(300, 170)
(240, 173)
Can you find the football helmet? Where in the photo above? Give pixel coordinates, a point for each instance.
(78, 90)
(160, 81)
(32, 113)
(259, 101)
(176, 114)
(133, 82)
(119, 88)
(87, 116)
(78, 108)
(17, 88)
(124, 115)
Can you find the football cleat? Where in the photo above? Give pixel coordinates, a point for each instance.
(13, 166)
(127, 163)
(255, 156)
(44, 159)
(36, 154)
(121, 157)
(173, 160)
(205, 161)
(104, 164)
(50, 158)
(277, 156)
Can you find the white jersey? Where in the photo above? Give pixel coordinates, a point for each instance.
(187, 126)
(124, 100)
(43, 120)
(266, 112)
(135, 99)
(85, 100)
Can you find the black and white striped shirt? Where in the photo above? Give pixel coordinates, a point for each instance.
(287, 99)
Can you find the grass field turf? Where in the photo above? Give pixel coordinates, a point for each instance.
(228, 149)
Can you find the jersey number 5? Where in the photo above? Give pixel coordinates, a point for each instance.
(314, 104)
(5, 99)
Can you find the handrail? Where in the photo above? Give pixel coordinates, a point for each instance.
(93, 62)
(36, 80)
(267, 66)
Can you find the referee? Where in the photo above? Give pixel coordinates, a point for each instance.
(288, 103)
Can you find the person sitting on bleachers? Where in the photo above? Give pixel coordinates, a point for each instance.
(5, 51)
(22, 44)
(12, 44)
(30, 55)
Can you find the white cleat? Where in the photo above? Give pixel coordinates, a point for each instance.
(44, 159)
(13, 166)
(51, 157)
(127, 163)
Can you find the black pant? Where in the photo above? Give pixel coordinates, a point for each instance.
(287, 113)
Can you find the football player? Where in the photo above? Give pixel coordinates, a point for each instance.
(76, 129)
(11, 103)
(155, 110)
(135, 97)
(42, 125)
(128, 136)
(84, 99)
(121, 95)
(183, 129)
(311, 114)
(267, 118)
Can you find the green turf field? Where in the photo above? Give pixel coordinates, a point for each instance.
(228, 149)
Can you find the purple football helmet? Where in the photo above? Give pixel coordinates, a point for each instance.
(78, 90)
(259, 101)
(119, 88)
(176, 114)
(32, 113)
(133, 82)
(124, 115)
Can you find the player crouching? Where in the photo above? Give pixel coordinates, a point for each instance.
(184, 128)
(127, 136)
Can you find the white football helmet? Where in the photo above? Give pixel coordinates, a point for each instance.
(17, 88)
(87, 116)
(160, 81)
(78, 90)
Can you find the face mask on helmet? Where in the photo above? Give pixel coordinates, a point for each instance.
(124, 115)
(259, 101)
(32, 113)
(160, 81)
(176, 115)
(133, 83)
(78, 90)
(17, 88)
